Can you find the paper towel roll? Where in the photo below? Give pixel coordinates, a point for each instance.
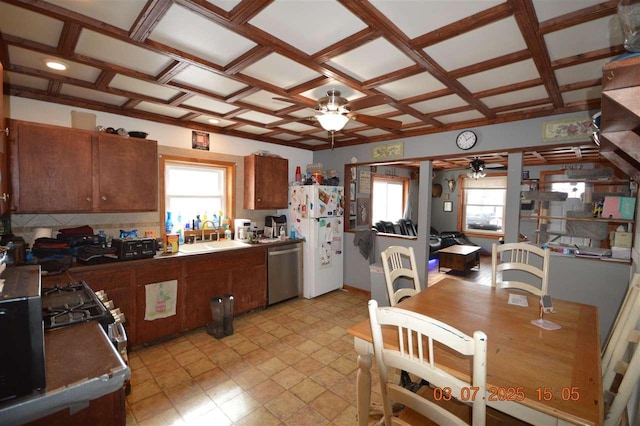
(42, 233)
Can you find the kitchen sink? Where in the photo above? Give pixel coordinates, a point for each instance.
(209, 246)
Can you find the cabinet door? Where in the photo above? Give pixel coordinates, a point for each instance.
(266, 182)
(200, 289)
(128, 174)
(51, 169)
(249, 289)
(4, 175)
(151, 273)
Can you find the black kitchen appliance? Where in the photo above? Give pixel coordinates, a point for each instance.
(272, 225)
(72, 303)
(134, 248)
(22, 368)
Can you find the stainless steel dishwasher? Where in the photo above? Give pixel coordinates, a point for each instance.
(284, 272)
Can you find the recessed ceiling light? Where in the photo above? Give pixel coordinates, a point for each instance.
(213, 120)
(54, 64)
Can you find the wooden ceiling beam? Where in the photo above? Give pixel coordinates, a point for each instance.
(393, 76)
(104, 79)
(69, 39)
(579, 17)
(173, 69)
(352, 42)
(180, 98)
(148, 18)
(525, 15)
(491, 64)
(248, 58)
(247, 9)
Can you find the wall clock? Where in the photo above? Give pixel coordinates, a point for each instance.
(466, 140)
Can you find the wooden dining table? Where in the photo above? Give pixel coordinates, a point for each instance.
(544, 377)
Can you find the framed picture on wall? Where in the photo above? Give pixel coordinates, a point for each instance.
(447, 206)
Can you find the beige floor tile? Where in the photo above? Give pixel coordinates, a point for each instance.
(179, 345)
(224, 392)
(307, 390)
(249, 378)
(272, 366)
(211, 378)
(309, 347)
(293, 339)
(195, 407)
(323, 339)
(167, 417)
(150, 407)
(280, 332)
(265, 391)
(348, 417)
(189, 356)
(329, 404)
(288, 377)
(345, 365)
(261, 417)
(165, 366)
(308, 366)
(140, 375)
(199, 367)
(284, 405)
(305, 417)
(258, 356)
(210, 418)
(325, 355)
(183, 391)
(245, 347)
(239, 406)
(154, 355)
(326, 376)
(223, 356)
(172, 378)
(143, 390)
(291, 356)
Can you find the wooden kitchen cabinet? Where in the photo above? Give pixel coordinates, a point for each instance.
(58, 169)
(151, 273)
(205, 278)
(266, 182)
(4, 169)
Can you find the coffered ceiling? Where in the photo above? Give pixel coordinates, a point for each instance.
(430, 65)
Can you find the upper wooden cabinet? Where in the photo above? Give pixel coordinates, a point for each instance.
(4, 175)
(620, 136)
(58, 169)
(266, 182)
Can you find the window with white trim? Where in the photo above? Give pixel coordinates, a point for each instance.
(484, 202)
(388, 198)
(192, 189)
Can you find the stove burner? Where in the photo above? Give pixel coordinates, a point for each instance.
(72, 303)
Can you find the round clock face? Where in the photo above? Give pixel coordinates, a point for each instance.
(466, 139)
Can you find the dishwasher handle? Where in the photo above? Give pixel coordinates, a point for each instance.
(279, 252)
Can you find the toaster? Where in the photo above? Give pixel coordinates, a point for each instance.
(134, 248)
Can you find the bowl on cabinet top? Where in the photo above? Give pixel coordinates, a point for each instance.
(142, 135)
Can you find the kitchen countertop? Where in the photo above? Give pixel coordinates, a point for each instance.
(81, 364)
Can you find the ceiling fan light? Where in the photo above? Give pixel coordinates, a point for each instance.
(332, 121)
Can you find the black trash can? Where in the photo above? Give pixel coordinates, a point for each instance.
(216, 327)
(227, 323)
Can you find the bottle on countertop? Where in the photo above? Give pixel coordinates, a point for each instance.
(298, 174)
(198, 224)
(204, 220)
(227, 234)
(282, 235)
(179, 230)
(168, 225)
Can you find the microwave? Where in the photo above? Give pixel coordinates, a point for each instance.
(22, 364)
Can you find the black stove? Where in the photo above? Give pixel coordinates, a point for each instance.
(71, 304)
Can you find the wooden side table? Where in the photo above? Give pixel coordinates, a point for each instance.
(459, 258)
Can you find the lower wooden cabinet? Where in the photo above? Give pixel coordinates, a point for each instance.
(242, 273)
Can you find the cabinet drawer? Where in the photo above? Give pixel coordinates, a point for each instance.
(620, 74)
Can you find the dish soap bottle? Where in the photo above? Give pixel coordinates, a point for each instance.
(179, 230)
(282, 236)
(168, 225)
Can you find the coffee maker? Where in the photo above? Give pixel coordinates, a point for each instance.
(272, 225)
(242, 228)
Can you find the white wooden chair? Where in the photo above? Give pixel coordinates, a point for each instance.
(400, 262)
(518, 257)
(623, 314)
(414, 353)
(622, 371)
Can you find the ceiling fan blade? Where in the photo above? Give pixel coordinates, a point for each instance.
(311, 121)
(365, 102)
(384, 123)
(495, 166)
(309, 104)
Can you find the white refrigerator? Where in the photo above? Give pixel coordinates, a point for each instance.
(316, 212)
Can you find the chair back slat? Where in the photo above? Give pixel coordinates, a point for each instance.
(400, 262)
(417, 335)
(520, 257)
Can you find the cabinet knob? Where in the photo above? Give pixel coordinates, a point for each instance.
(610, 76)
(103, 198)
(259, 199)
(89, 199)
(4, 197)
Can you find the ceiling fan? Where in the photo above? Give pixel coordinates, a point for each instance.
(334, 112)
(477, 168)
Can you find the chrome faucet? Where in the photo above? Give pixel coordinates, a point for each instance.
(213, 226)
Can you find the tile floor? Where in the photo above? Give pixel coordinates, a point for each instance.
(290, 364)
